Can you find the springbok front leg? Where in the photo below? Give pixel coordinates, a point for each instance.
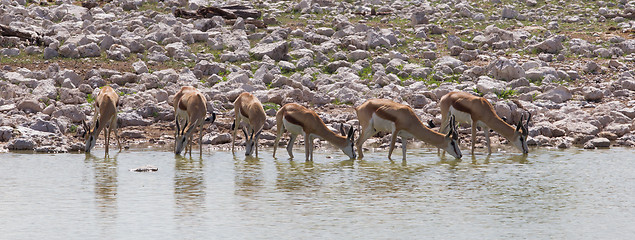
(404, 142)
(487, 140)
(473, 136)
(307, 147)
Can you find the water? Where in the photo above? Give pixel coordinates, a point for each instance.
(572, 194)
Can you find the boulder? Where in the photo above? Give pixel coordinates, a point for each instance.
(539, 73)
(275, 51)
(600, 142)
(419, 17)
(132, 119)
(592, 94)
(21, 143)
(487, 85)
(139, 67)
(45, 126)
(30, 105)
(506, 69)
(70, 111)
(89, 50)
(551, 45)
(6, 133)
(559, 94)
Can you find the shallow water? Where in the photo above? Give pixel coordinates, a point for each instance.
(558, 194)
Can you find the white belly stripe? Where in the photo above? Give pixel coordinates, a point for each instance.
(292, 128)
(382, 125)
(463, 117)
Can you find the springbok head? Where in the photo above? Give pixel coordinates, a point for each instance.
(520, 135)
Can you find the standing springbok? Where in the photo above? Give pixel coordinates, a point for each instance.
(105, 116)
(190, 109)
(470, 109)
(248, 109)
(382, 115)
(300, 120)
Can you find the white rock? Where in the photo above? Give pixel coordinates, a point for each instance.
(140, 67)
(506, 69)
(559, 94)
(89, 50)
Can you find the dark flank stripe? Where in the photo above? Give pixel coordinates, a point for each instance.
(383, 114)
(459, 105)
(243, 112)
(291, 119)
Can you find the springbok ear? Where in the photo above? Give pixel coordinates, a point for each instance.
(528, 119)
(97, 124)
(342, 129)
(85, 126)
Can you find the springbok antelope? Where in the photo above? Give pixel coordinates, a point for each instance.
(190, 108)
(248, 108)
(105, 116)
(382, 115)
(300, 120)
(470, 109)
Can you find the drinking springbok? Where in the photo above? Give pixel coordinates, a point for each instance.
(248, 109)
(105, 116)
(300, 120)
(477, 111)
(382, 115)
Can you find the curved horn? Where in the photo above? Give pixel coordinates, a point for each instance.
(178, 127)
(245, 132)
(520, 122)
(528, 119)
(342, 129)
(450, 126)
(353, 135)
(183, 128)
(351, 132)
(455, 132)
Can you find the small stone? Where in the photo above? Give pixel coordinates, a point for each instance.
(216, 139)
(147, 168)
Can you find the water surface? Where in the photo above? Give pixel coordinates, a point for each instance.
(573, 194)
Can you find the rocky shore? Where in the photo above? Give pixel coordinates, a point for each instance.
(568, 62)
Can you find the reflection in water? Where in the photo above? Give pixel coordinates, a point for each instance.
(296, 176)
(248, 176)
(549, 194)
(105, 187)
(189, 189)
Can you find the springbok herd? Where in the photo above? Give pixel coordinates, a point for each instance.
(375, 115)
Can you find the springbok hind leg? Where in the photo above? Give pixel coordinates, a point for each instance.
(393, 139)
(290, 145)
